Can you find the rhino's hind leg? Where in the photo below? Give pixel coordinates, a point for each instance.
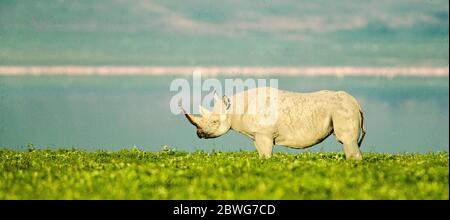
(346, 130)
(264, 145)
(352, 151)
(350, 145)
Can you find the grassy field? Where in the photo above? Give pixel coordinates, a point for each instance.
(168, 174)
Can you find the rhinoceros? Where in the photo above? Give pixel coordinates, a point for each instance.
(291, 119)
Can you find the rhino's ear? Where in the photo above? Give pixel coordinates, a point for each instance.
(226, 102)
(203, 111)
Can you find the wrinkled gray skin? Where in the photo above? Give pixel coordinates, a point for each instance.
(302, 119)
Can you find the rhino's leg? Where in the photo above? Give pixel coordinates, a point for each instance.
(352, 151)
(346, 129)
(264, 145)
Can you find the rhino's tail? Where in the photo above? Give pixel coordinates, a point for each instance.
(363, 130)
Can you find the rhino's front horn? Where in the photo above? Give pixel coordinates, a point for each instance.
(191, 118)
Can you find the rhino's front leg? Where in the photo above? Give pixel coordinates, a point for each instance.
(264, 145)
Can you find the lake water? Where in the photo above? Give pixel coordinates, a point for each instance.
(402, 114)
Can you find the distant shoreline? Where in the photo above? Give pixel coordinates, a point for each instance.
(224, 70)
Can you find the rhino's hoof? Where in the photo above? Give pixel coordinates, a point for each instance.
(354, 157)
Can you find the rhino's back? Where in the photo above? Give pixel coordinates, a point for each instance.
(298, 102)
(292, 103)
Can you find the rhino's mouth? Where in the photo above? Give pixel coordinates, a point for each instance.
(201, 134)
(204, 135)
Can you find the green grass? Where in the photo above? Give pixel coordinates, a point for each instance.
(168, 174)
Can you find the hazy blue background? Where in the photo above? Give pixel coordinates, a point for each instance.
(91, 112)
(236, 32)
(402, 114)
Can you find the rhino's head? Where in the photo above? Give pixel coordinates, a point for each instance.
(214, 123)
